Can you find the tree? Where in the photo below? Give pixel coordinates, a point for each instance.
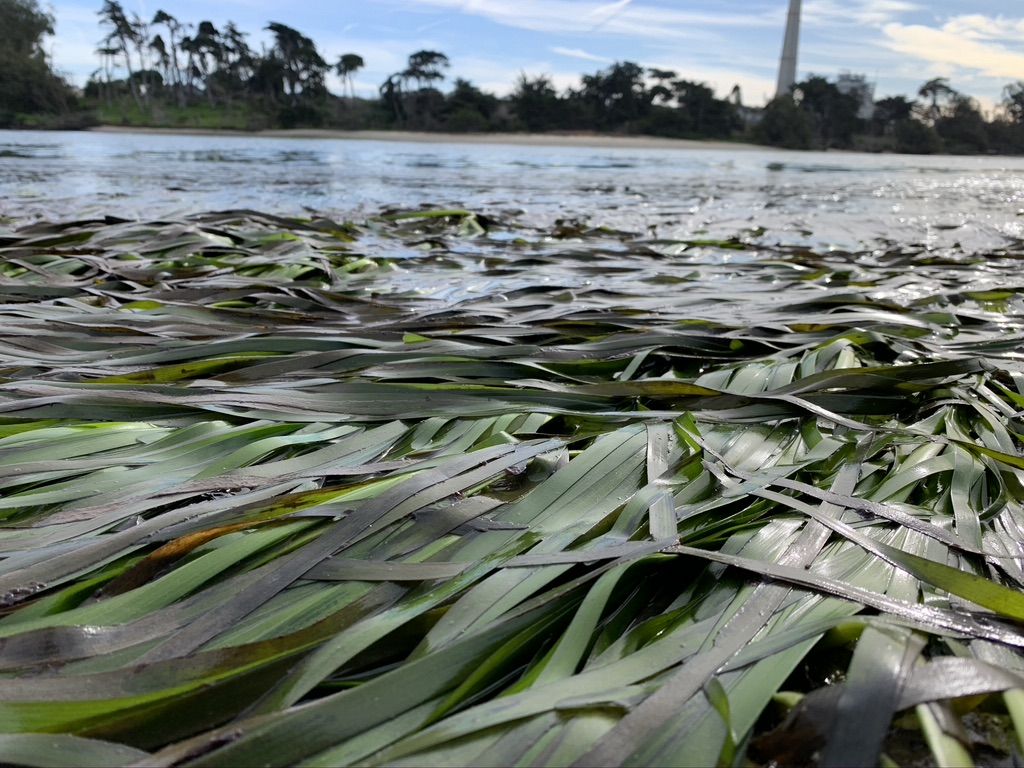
(167, 53)
(147, 78)
(938, 92)
(706, 115)
(128, 43)
(1013, 101)
(124, 37)
(785, 125)
(661, 91)
(963, 128)
(391, 97)
(205, 55)
(28, 85)
(241, 60)
(890, 112)
(421, 106)
(833, 112)
(267, 81)
(163, 57)
(426, 67)
(536, 103)
(348, 64)
(467, 108)
(303, 68)
(915, 138)
(617, 95)
(103, 86)
(25, 25)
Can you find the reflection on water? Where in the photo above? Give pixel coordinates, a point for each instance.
(817, 200)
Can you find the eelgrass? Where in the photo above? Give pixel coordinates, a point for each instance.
(430, 490)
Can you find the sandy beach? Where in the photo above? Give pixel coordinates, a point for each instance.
(517, 139)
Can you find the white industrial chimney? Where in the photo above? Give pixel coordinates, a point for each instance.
(787, 65)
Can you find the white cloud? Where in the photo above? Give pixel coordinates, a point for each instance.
(978, 54)
(970, 43)
(577, 53)
(978, 27)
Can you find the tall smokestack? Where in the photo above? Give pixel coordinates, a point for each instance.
(787, 65)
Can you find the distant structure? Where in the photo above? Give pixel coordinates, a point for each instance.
(787, 65)
(858, 85)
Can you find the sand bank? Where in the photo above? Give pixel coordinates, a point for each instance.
(515, 139)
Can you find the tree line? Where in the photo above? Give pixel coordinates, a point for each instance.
(162, 71)
(817, 115)
(28, 85)
(165, 62)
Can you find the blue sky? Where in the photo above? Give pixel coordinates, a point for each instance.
(898, 44)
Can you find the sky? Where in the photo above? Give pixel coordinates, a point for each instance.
(896, 44)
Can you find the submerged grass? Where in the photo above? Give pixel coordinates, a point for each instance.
(437, 489)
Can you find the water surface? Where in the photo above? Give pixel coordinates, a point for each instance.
(841, 200)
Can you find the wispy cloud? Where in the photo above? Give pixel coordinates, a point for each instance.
(870, 13)
(605, 13)
(577, 53)
(431, 25)
(650, 22)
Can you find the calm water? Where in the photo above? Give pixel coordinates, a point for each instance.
(845, 200)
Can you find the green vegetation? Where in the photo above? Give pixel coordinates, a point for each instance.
(819, 116)
(152, 77)
(282, 492)
(30, 92)
(239, 116)
(169, 73)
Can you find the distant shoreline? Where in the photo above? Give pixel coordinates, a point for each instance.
(514, 139)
